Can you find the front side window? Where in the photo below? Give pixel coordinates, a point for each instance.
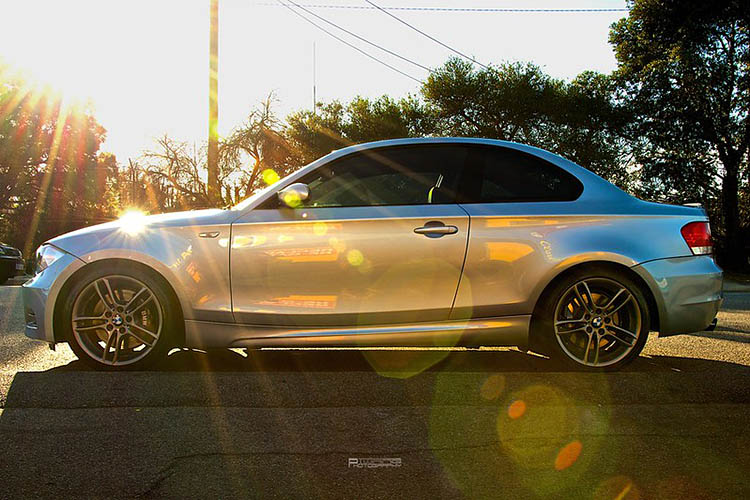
(409, 175)
(497, 175)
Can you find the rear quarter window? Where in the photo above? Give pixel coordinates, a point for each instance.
(500, 175)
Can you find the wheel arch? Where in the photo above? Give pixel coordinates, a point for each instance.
(59, 335)
(653, 309)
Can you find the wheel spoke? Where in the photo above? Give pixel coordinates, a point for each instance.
(628, 341)
(132, 299)
(154, 335)
(108, 345)
(626, 332)
(88, 328)
(117, 349)
(569, 321)
(588, 305)
(139, 306)
(139, 339)
(617, 308)
(565, 332)
(89, 318)
(588, 348)
(101, 297)
(111, 293)
(590, 296)
(597, 346)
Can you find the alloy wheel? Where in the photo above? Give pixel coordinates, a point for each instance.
(117, 320)
(597, 322)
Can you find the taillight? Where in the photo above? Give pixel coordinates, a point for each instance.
(698, 237)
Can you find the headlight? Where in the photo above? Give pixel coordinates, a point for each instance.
(45, 256)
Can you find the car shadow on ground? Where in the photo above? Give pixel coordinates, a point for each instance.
(402, 363)
(224, 423)
(332, 377)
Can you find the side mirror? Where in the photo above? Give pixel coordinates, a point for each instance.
(294, 194)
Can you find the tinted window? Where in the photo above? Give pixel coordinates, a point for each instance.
(496, 175)
(411, 175)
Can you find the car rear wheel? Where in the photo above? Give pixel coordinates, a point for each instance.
(119, 319)
(595, 319)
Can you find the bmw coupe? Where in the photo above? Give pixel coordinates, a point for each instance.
(409, 242)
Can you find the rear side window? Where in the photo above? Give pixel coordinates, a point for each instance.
(499, 175)
(410, 175)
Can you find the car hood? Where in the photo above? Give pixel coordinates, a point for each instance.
(132, 228)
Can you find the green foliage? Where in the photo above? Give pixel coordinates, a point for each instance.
(684, 69)
(519, 102)
(335, 125)
(51, 180)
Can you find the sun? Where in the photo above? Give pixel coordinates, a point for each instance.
(57, 80)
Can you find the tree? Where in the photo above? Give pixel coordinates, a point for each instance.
(313, 134)
(519, 102)
(50, 176)
(685, 66)
(176, 172)
(332, 126)
(261, 140)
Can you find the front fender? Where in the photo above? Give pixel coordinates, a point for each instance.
(197, 268)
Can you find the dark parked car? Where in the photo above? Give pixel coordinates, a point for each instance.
(11, 262)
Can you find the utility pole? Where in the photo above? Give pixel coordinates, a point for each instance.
(133, 178)
(214, 194)
(315, 84)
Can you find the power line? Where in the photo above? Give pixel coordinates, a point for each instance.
(456, 51)
(349, 44)
(459, 9)
(360, 38)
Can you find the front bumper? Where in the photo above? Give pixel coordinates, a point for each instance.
(40, 295)
(687, 291)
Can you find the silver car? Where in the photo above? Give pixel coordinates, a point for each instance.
(412, 242)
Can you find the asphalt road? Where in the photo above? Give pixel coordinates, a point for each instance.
(285, 424)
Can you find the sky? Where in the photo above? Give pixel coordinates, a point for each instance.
(143, 64)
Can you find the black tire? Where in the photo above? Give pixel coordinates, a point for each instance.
(553, 307)
(163, 306)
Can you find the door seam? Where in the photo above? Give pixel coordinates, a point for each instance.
(463, 264)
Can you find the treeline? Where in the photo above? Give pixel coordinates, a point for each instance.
(670, 124)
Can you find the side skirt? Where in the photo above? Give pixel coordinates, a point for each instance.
(502, 331)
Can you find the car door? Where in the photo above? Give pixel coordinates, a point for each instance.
(520, 205)
(380, 240)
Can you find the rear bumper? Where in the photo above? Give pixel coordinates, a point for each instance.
(687, 291)
(12, 266)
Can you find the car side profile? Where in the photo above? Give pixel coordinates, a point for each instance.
(408, 242)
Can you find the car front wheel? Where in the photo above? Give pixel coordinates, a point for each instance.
(118, 318)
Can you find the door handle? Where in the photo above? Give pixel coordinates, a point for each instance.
(435, 230)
